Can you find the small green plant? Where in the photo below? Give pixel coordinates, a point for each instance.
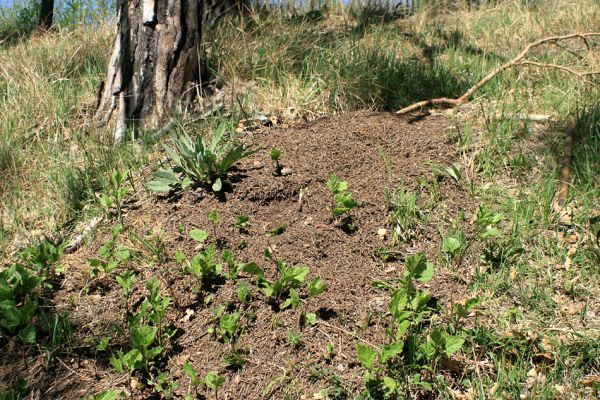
(244, 292)
(242, 222)
(199, 162)
(110, 255)
(294, 338)
(195, 381)
(315, 288)
(405, 216)
(233, 267)
(114, 194)
(285, 287)
(214, 217)
(414, 344)
(148, 336)
(277, 231)
(453, 243)
(342, 202)
(204, 266)
(213, 381)
(226, 328)
(126, 281)
(275, 154)
(19, 290)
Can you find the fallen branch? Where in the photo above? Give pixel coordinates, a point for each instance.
(515, 62)
(78, 240)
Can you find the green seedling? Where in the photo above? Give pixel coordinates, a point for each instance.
(290, 278)
(163, 386)
(213, 381)
(199, 235)
(452, 245)
(275, 154)
(214, 217)
(106, 395)
(147, 333)
(200, 162)
(233, 267)
(114, 195)
(294, 338)
(244, 292)
(110, 256)
(378, 384)
(242, 222)
(195, 381)
(315, 288)
(126, 281)
(405, 217)
(277, 231)
(204, 266)
(342, 201)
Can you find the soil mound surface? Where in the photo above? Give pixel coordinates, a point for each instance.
(371, 151)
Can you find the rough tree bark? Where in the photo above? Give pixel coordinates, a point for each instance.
(46, 14)
(154, 64)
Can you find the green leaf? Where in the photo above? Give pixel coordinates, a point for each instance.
(275, 154)
(293, 300)
(132, 358)
(391, 351)
(390, 385)
(366, 356)
(103, 345)
(311, 319)
(191, 372)
(316, 287)
(117, 363)
(418, 268)
(277, 231)
(450, 245)
(142, 336)
(28, 334)
(453, 344)
(217, 185)
(242, 221)
(398, 302)
(107, 395)
(253, 269)
(213, 380)
(198, 235)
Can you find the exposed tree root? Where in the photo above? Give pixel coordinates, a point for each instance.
(519, 60)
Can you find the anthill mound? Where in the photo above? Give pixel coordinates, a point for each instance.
(372, 152)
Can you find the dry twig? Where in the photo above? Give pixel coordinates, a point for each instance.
(519, 60)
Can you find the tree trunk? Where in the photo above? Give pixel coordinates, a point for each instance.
(46, 14)
(154, 65)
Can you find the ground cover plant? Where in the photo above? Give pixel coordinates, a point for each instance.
(462, 276)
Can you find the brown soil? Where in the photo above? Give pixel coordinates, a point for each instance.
(371, 151)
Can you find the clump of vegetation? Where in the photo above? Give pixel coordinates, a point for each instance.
(111, 256)
(405, 216)
(200, 162)
(148, 336)
(342, 201)
(114, 194)
(414, 340)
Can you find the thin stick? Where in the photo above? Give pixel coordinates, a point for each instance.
(566, 168)
(517, 61)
